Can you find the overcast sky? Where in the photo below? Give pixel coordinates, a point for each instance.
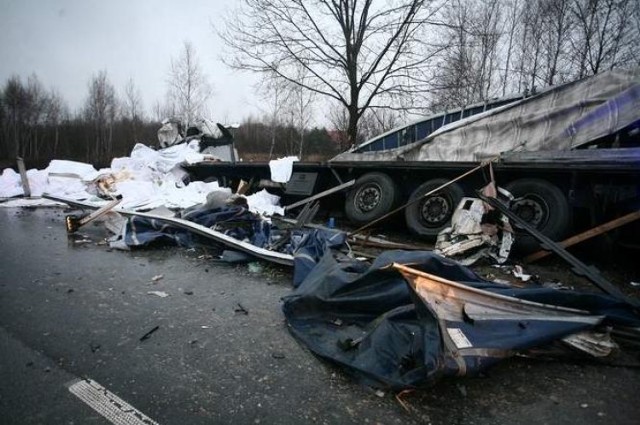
(65, 42)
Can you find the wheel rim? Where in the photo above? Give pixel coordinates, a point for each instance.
(435, 210)
(368, 197)
(532, 209)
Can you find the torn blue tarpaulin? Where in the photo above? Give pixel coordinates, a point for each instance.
(245, 225)
(305, 245)
(367, 319)
(310, 246)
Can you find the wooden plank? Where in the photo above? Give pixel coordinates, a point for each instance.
(73, 223)
(23, 176)
(320, 195)
(598, 230)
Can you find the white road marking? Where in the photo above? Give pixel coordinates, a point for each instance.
(109, 405)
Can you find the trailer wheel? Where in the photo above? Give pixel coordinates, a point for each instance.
(430, 215)
(373, 195)
(542, 205)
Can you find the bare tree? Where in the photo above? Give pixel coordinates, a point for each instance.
(100, 112)
(635, 33)
(132, 107)
(558, 23)
(57, 112)
(275, 92)
(530, 47)
(485, 31)
(25, 109)
(512, 23)
(301, 105)
(132, 101)
(604, 35)
(188, 86)
(14, 101)
(340, 120)
(468, 68)
(359, 54)
(375, 122)
(452, 82)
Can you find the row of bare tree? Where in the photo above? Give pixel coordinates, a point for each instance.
(36, 124)
(415, 56)
(495, 47)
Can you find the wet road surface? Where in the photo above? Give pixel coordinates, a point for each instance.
(71, 309)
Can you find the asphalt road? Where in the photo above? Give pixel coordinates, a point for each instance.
(71, 309)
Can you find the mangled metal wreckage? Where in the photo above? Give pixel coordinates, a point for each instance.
(406, 319)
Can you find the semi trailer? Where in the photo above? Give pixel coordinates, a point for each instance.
(570, 156)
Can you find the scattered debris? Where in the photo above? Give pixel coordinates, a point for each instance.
(236, 257)
(74, 222)
(477, 231)
(320, 195)
(240, 309)
(282, 168)
(148, 222)
(148, 334)
(518, 272)
(255, 267)
(439, 309)
(476, 322)
(400, 399)
(598, 230)
(596, 344)
(462, 389)
(578, 266)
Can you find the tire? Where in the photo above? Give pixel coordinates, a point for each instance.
(373, 195)
(431, 215)
(542, 205)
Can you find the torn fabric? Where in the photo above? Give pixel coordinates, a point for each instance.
(368, 320)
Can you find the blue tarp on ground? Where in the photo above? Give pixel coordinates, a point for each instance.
(366, 319)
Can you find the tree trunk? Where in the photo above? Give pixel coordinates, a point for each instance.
(352, 130)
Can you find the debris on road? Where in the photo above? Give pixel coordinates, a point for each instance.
(476, 232)
(74, 222)
(240, 309)
(405, 319)
(590, 272)
(148, 334)
(596, 231)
